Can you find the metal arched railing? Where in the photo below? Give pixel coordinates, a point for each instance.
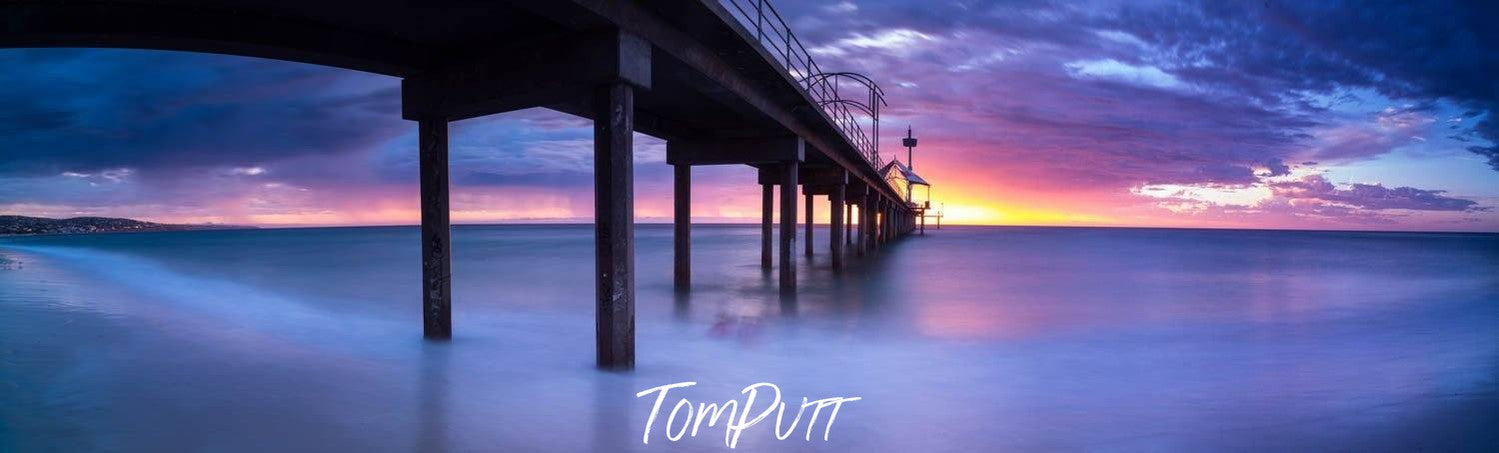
(849, 114)
(827, 89)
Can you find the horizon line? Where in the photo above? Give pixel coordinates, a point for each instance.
(930, 227)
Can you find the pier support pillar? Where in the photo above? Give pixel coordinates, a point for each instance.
(682, 227)
(871, 207)
(848, 222)
(835, 225)
(886, 218)
(863, 221)
(891, 218)
(890, 221)
(614, 223)
(437, 264)
(788, 224)
(923, 223)
(884, 221)
(808, 223)
(767, 203)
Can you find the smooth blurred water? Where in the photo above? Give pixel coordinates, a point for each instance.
(967, 339)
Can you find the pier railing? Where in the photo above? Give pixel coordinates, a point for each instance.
(849, 114)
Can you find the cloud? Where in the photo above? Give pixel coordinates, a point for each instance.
(843, 7)
(1370, 196)
(1123, 72)
(898, 41)
(166, 113)
(1488, 128)
(1274, 167)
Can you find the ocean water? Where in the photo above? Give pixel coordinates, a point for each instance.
(966, 339)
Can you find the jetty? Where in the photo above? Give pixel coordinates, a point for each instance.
(724, 82)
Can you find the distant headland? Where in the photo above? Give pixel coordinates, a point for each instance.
(15, 224)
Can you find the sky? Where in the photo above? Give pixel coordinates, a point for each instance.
(1264, 114)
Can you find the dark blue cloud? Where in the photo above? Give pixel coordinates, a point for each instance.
(159, 112)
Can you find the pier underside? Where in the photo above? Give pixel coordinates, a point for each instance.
(683, 70)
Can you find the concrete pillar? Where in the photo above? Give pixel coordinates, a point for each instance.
(835, 225)
(923, 223)
(437, 264)
(682, 226)
(767, 203)
(788, 224)
(614, 223)
(808, 223)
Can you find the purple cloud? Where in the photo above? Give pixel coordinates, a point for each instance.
(1376, 197)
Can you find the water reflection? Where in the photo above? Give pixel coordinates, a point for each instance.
(432, 399)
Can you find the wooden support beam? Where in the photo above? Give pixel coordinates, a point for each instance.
(614, 223)
(759, 150)
(767, 204)
(682, 227)
(546, 71)
(835, 226)
(815, 178)
(437, 270)
(808, 223)
(815, 189)
(788, 226)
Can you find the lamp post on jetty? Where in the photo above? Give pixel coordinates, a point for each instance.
(912, 180)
